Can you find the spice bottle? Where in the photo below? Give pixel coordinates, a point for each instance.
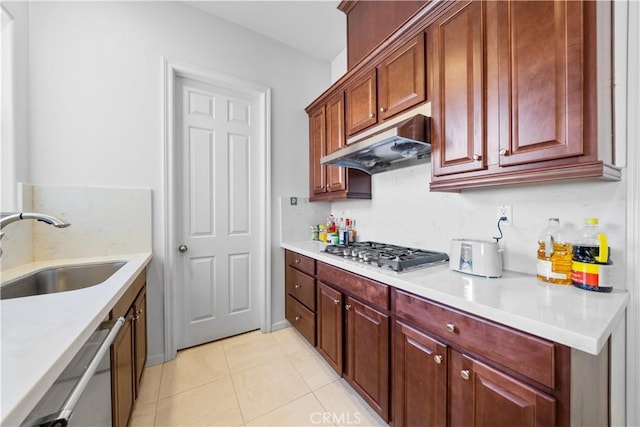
(554, 255)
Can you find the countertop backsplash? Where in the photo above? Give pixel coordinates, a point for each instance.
(104, 221)
(403, 211)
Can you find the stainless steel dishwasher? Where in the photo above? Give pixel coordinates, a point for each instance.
(81, 396)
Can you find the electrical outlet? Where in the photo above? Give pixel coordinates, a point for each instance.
(293, 201)
(505, 210)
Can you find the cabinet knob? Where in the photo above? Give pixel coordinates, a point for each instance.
(371, 115)
(465, 374)
(297, 261)
(336, 301)
(298, 318)
(477, 157)
(504, 152)
(437, 358)
(451, 327)
(296, 286)
(347, 307)
(382, 109)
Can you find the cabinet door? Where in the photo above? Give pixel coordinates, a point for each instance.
(458, 128)
(483, 396)
(329, 316)
(335, 140)
(541, 110)
(401, 82)
(361, 104)
(123, 373)
(419, 379)
(140, 334)
(368, 355)
(317, 144)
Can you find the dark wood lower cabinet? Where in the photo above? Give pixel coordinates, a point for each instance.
(329, 316)
(129, 351)
(482, 396)
(367, 355)
(123, 373)
(140, 336)
(419, 378)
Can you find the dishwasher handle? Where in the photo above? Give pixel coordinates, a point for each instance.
(69, 405)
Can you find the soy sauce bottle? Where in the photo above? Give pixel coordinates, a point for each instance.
(591, 266)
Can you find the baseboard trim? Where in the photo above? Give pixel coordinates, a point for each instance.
(280, 325)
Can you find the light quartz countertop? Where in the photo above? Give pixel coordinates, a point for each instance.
(41, 334)
(567, 315)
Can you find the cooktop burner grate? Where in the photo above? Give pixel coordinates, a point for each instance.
(396, 258)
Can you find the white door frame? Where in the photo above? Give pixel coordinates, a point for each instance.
(171, 71)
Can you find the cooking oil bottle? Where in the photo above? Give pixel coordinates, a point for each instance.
(592, 265)
(554, 255)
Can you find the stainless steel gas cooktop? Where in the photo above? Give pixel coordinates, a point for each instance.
(396, 258)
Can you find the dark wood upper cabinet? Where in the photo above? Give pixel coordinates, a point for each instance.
(540, 51)
(361, 106)
(401, 79)
(370, 23)
(396, 84)
(514, 94)
(458, 134)
(326, 135)
(317, 148)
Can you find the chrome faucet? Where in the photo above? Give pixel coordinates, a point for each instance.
(49, 219)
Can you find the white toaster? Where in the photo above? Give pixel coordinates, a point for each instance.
(477, 257)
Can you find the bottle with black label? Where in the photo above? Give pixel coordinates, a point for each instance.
(591, 267)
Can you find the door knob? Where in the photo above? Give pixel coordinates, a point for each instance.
(183, 248)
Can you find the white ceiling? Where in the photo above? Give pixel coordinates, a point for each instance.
(316, 27)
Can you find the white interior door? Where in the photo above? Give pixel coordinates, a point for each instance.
(217, 131)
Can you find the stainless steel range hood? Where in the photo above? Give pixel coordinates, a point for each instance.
(405, 142)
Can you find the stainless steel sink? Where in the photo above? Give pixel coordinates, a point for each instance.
(59, 279)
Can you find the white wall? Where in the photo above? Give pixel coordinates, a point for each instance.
(96, 105)
(13, 144)
(404, 211)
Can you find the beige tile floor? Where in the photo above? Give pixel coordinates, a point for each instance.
(253, 379)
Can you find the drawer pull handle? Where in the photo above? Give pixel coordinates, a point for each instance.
(336, 301)
(298, 318)
(465, 374)
(451, 327)
(437, 358)
(347, 307)
(297, 286)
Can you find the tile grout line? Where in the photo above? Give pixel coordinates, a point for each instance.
(233, 384)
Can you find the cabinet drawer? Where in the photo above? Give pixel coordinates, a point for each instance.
(300, 262)
(523, 353)
(301, 318)
(366, 289)
(301, 287)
